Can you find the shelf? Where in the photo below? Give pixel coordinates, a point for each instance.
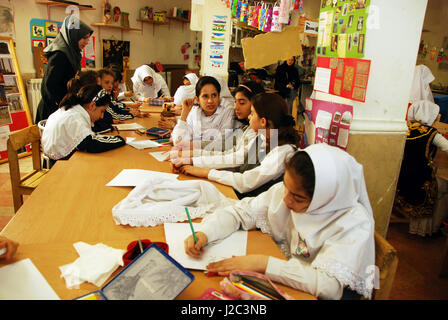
(179, 19)
(51, 4)
(115, 26)
(64, 4)
(153, 22)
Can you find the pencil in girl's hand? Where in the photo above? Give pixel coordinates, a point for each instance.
(191, 225)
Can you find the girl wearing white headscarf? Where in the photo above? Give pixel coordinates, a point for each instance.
(321, 218)
(420, 85)
(187, 90)
(417, 186)
(147, 83)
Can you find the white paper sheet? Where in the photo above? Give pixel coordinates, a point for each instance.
(143, 144)
(128, 126)
(175, 234)
(160, 155)
(322, 79)
(133, 177)
(23, 281)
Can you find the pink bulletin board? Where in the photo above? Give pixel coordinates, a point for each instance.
(344, 77)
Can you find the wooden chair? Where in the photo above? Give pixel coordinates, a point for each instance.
(24, 185)
(387, 261)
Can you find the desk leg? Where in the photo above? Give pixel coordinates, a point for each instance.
(444, 270)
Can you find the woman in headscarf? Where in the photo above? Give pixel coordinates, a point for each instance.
(417, 185)
(185, 91)
(64, 61)
(287, 81)
(147, 83)
(320, 215)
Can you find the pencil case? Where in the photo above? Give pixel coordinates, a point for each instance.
(248, 285)
(159, 133)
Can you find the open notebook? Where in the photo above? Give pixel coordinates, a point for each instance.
(175, 234)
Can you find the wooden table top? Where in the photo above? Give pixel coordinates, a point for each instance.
(74, 204)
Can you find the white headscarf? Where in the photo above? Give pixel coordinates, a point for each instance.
(140, 87)
(420, 86)
(339, 223)
(423, 111)
(185, 92)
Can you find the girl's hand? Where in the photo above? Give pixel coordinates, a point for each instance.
(11, 248)
(128, 94)
(187, 105)
(147, 99)
(195, 249)
(135, 105)
(252, 262)
(194, 171)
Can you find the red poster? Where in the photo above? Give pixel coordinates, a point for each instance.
(348, 77)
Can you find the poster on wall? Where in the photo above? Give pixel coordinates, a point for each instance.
(217, 42)
(329, 122)
(342, 28)
(116, 52)
(88, 54)
(43, 32)
(346, 78)
(6, 19)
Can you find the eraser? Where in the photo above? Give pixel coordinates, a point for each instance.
(3, 251)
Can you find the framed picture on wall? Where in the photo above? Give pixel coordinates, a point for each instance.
(39, 43)
(38, 31)
(50, 40)
(51, 28)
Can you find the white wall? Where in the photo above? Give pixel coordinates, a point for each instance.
(163, 46)
(392, 43)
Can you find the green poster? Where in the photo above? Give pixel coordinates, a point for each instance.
(342, 28)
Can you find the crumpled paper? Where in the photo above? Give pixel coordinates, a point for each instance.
(95, 264)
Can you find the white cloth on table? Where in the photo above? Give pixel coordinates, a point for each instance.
(95, 264)
(158, 200)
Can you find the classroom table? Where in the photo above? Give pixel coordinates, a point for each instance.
(74, 204)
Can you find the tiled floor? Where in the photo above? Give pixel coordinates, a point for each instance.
(419, 263)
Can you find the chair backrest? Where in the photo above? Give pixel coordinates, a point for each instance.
(21, 138)
(386, 259)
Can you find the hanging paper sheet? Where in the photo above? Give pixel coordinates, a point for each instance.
(330, 122)
(346, 78)
(342, 28)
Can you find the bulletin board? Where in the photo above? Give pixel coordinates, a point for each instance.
(43, 32)
(342, 28)
(14, 109)
(346, 78)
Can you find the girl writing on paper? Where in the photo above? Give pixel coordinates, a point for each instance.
(69, 128)
(207, 121)
(147, 83)
(278, 138)
(223, 153)
(321, 218)
(64, 60)
(417, 184)
(186, 91)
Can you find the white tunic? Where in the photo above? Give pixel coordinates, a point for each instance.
(329, 246)
(201, 127)
(232, 157)
(270, 168)
(65, 130)
(142, 90)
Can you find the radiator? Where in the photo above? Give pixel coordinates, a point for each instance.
(34, 96)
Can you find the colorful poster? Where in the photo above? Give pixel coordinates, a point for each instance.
(329, 122)
(342, 28)
(43, 32)
(346, 78)
(217, 42)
